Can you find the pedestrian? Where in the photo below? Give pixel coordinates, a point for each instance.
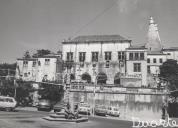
(164, 110)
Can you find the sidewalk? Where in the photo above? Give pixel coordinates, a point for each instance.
(26, 109)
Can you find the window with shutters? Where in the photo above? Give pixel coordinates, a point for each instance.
(94, 57)
(136, 56)
(148, 60)
(34, 64)
(25, 63)
(154, 60)
(141, 56)
(160, 60)
(137, 67)
(47, 61)
(82, 56)
(130, 56)
(121, 55)
(69, 56)
(107, 55)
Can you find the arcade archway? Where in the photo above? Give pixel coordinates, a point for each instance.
(117, 79)
(101, 78)
(86, 77)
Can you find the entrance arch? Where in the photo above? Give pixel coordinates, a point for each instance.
(101, 78)
(117, 79)
(86, 77)
(72, 77)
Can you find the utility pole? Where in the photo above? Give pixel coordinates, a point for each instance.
(15, 91)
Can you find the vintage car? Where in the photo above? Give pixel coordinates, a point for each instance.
(44, 105)
(100, 110)
(84, 108)
(59, 106)
(113, 111)
(7, 103)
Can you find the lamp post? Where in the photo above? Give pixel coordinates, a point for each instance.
(68, 81)
(94, 90)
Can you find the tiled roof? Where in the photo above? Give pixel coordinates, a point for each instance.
(156, 53)
(171, 49)
(51, 55)
(135, 47)
(99, 38)
(28, 59)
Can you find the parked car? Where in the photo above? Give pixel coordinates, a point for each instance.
(100, 110)
(113, 111)
(59, 106)
(44, 105)
(7, 103)
(84, 108)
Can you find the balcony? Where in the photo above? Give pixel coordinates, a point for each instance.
(131, 76)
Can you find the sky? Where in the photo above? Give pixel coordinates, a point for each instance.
(44, 24)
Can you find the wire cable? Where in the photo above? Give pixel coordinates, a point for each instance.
(94, 19)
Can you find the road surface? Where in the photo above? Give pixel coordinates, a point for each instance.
(27, 119)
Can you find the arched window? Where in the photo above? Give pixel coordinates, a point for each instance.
(101, 78)
(86, 77)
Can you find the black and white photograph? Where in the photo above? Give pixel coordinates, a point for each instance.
(88, 63)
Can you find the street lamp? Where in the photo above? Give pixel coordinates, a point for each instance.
(95, 83)
(68, 65)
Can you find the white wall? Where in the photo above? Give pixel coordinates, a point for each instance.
(37, 73)
(96, 47)
(130, 66)
(154, 67)
(49, 70)
(171, 54)
(29, 69)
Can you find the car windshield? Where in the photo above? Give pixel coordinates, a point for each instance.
(84, 105)
(8, 100)
(44, 101)
(116, 109)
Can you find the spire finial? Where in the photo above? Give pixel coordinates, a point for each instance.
(154, 41)
(151, 20)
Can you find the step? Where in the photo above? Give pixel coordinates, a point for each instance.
(83, 119)
(57, 116)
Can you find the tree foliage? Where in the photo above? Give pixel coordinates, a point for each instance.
(27, 54)
(6, 68)
(51, 92)
(7, 88)
(23, 90)
(169, 72)
(41, 52)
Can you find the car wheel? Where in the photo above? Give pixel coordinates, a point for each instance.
(48, 110)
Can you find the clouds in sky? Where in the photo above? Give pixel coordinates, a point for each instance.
(34, 24)
(125, 6)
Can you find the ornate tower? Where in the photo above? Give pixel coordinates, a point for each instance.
(154, 41)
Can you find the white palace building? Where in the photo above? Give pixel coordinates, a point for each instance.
(104, 59)
(112, 59)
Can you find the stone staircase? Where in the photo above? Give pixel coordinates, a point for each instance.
(60, 116)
